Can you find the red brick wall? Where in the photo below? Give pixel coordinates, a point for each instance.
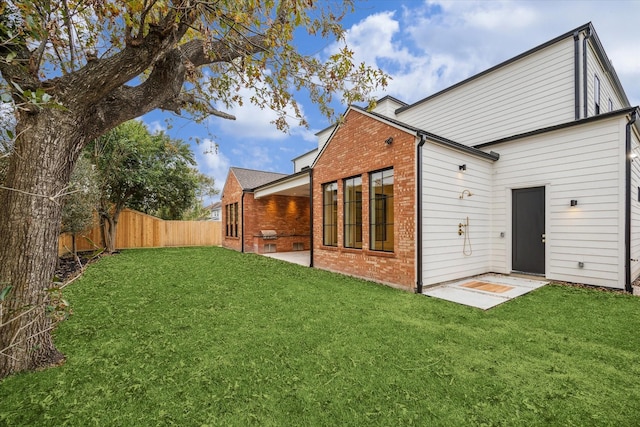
(231, 193)
(358, 147)
(289, 216)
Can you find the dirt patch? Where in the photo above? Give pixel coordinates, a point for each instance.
(69, 266)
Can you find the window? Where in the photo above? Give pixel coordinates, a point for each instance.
(381, 210)
(353, 213)
(596, 93)
(330, 214)
(231, 220)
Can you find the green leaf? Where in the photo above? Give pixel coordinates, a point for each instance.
(4, 292)
(10, 56)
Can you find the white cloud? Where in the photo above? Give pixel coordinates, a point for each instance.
(156, 127)
(255, 122)
(429, 46)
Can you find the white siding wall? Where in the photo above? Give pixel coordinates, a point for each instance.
(387, 108)
(323, 137)
(583, 163)
(635, 208)
(531, 93)
(607, 91)
(304, 161)
(443, 210)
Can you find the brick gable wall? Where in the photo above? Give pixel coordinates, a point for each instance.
(357, 148)
(289, 216)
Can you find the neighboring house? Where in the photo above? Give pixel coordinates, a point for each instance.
(216, 211)
(526, 167)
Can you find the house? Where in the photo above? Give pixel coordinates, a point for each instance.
(254, 221)
(215, 210)
(527, 167)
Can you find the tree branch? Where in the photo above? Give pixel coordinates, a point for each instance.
(177, 104)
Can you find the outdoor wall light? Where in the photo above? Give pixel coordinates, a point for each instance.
(574, 203)
(389, 140)
(462, 167)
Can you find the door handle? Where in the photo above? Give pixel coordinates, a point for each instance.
(544, 237)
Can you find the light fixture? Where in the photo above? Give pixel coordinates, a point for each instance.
(389, 140)
(574, 203)
(462, 167)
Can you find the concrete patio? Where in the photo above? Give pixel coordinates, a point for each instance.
(296, 257)
(485, 291)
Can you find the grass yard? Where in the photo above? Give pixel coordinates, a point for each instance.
(208, 336)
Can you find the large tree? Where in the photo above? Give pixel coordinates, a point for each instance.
(154, 174)
(75, 69)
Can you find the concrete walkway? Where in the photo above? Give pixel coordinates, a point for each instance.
(484, 291)
(296, 257)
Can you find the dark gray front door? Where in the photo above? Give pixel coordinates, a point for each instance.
(528, 230)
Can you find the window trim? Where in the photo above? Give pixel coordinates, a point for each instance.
(346, 206)
(373, 206)
(332, 224)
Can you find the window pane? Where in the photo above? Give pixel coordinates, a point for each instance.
(330, 214)
(353, 213)
(381, 211)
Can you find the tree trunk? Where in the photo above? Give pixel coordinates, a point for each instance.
(40, 168)
(109, 228)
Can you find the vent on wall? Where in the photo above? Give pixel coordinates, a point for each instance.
(269, 248)
(298, 246)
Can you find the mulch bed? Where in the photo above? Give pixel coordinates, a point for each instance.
(69, 266)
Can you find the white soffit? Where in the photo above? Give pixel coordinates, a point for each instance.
(294, 186)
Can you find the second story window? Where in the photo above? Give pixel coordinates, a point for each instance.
(596, 93)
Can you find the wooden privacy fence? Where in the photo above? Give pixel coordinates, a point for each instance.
(138, 230)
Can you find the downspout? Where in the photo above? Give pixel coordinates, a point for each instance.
(627, 208)
(584, 69)
(419, 215)
(311, 216)
(576, 73)
(242, 217)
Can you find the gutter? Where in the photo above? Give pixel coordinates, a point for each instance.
(576, 73)
(311, 216)
(419, 215)
(627, 207)
(587, 36)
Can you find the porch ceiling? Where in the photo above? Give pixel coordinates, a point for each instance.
(295, 185)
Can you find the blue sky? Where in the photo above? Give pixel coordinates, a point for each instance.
(425, 46)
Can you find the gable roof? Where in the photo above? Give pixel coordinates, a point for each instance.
(602, 56)
(250, 178)
(414, 131)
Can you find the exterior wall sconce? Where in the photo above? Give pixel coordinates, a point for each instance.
(389, 140)
(462, 167)
(574, 203)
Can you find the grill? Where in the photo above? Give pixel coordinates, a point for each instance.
(268, 234)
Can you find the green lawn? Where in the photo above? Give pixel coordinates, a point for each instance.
(208, 336)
